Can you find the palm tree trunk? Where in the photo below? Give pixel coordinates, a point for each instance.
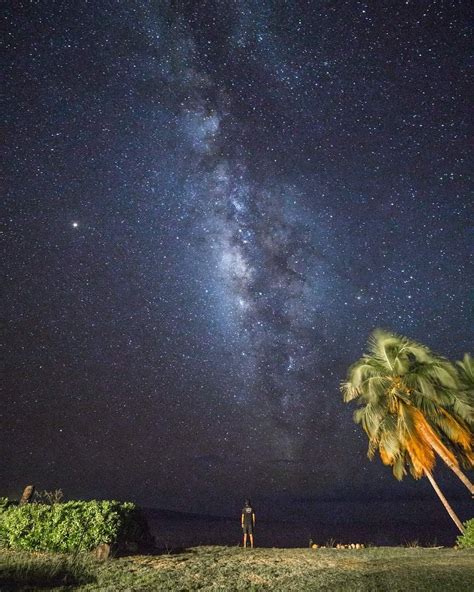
(454, 468)
(457, 471)
(445, 502)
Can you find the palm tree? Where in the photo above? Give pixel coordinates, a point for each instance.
(465, 402)
(411, 409)
(466, 393)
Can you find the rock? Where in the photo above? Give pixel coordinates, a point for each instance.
(102, 552)
(314, 546)
(27, 495)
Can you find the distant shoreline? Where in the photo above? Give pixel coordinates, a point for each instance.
(179, 529)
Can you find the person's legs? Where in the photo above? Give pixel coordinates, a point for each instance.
(245, 540)
(251, 541)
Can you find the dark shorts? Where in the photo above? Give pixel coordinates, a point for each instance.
(247, 528)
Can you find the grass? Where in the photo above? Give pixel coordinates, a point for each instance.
(228, 569)
(25, 570)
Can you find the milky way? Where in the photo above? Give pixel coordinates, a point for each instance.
(209, 209)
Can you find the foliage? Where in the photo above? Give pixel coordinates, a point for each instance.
(72, 526)
(4, 503)
(466, 540)
(413, 404)
(48, 497)
(412, 544)
(465, 369)
(292, 570)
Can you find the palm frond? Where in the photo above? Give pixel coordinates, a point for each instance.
(454, 430)
(370, 417)
(384, 347)
(390, 444)
(428, 436)
(349, 391)
(463, 410)
(445, 374)
(421, 455)
(398, 469)
(466, 371)
(405, 423)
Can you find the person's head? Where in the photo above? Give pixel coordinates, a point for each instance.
(247, 502)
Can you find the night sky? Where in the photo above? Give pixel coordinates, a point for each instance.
(209, 207)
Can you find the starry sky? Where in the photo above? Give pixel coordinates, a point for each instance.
(208, 208)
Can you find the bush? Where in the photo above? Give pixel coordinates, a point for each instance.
(466, 540)
(5, 503)
(73, 526)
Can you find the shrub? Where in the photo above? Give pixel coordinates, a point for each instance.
(415, 543)
(466, 540)
(73, 526)
(49, 497)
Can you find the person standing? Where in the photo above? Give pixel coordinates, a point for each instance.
(247, 520)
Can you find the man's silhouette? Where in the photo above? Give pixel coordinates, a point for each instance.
(248, 523)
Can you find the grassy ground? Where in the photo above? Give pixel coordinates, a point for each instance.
(231, 568)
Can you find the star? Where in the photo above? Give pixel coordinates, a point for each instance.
(260, 188)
